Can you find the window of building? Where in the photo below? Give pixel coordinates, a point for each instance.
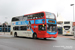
(0, 25)
(8, 25)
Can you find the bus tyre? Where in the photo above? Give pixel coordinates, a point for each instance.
(15, 34)
(44, 38)
(35, 36)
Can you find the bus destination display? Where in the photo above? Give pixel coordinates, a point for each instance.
(51, 21)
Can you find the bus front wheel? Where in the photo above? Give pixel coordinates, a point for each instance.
(35, 36)
(15, 34)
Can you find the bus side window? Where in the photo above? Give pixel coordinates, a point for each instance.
(15, 19)
(30, 16)
(13, 28)
(16, 28)
(34, 17)
(23, 27)
(20, 18)
(40, 15)
(25, 17)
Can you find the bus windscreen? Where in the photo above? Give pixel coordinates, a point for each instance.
(50, 15)
(51, 28)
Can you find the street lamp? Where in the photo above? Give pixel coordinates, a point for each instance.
(73, 20)
(73, 11)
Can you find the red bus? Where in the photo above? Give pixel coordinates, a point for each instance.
(37, 25)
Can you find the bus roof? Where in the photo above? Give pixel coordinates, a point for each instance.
(29, 14)
(37, 12)
(32, 13)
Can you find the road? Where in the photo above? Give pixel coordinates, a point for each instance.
(8, 42)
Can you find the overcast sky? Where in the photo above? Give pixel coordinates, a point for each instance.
(10, 8)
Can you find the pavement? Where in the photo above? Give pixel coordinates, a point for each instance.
(66, 36)
(4, 33)
(8, 42)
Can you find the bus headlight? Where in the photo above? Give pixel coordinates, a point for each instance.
(63, 28)
(43, 25)
(10, 33)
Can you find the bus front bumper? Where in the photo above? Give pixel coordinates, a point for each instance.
(51, 35)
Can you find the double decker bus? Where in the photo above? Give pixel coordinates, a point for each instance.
(68, 28)
(35, 25)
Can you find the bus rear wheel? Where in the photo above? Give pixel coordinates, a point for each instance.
(15, 34)
(35, 36)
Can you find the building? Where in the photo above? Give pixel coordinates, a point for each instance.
(5, 28)
(60, 21)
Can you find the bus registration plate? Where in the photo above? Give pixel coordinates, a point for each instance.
(68, 31)
(66, 34)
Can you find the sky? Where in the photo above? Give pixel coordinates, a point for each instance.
(11, 8)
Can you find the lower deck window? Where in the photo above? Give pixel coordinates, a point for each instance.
(23, 28)
(16, 28)
(20, 28)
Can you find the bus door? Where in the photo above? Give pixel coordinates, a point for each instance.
(41, 29)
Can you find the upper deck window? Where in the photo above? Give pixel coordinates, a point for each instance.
(50, 15)
(32, 16)
(20, 18)
(36, 16)
(66, 22)
(15, 19)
